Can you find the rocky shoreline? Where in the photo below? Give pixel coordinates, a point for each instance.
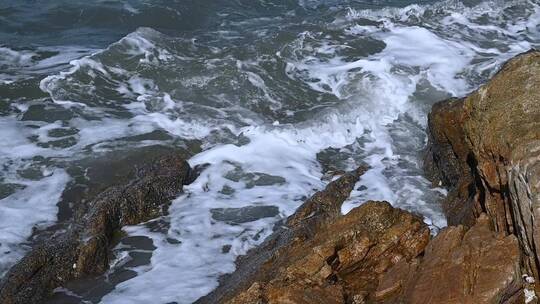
(484, 148)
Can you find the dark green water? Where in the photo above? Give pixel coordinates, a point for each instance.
(273, 95)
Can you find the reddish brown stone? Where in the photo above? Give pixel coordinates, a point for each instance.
(486, 149)
(459, 266)
(325, 257)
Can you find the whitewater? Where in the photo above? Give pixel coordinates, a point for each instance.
(271, 107)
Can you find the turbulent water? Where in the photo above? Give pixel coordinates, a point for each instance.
(269, 95)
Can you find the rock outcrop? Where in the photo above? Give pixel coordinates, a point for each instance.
(84, 248)
(321, 256)
(374, 254)
(486, 149)
(459, 266)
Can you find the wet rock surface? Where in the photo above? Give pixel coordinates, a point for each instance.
(486, 149)
(321, 256)
(83, 248)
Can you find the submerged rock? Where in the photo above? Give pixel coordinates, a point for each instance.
(486, 149)
(246, 214)
(322, 256)
(84, 248)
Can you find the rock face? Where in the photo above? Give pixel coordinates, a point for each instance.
(321, 256)
(458, 266)
(486, 149)
(84, 248)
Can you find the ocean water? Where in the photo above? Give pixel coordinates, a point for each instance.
(272, 97)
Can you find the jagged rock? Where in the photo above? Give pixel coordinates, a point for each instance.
(321, 256)
(84, 248)
(486, 149)
(459, 266)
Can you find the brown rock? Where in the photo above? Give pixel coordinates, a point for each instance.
(447, 161)
(486, 149)
(459, 266)
(84, 248)
(321, 256)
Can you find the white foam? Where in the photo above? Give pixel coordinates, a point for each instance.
(33, 207)
(131, 9)
(13, 60)
(199, 258)
(382, 94)
(22, 64)
(15, 143)
(11, 57)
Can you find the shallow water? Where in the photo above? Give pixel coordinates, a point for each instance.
(273, 95)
